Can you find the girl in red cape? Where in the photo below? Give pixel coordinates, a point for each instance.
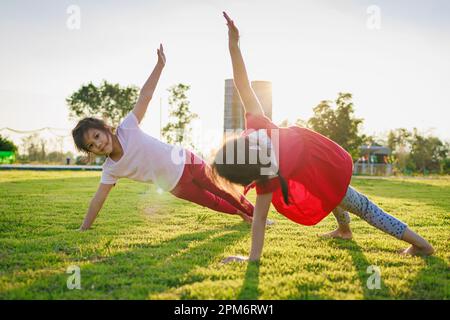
(302, 173)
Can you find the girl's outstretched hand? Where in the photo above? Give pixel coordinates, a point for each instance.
(161, 56)
(233, 32)
(235, 259)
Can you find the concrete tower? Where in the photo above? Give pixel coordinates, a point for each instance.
(234, 112)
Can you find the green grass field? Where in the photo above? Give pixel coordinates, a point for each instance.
(146, 245)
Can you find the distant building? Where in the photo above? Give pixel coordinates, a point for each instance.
(234, 112)
(374, 161)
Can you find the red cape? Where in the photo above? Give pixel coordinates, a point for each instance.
(317, 170)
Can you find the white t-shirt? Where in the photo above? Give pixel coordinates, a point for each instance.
(144, 158)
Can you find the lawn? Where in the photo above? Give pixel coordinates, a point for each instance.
(147, 245)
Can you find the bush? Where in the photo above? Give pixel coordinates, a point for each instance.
(7, 145)
(446, 166)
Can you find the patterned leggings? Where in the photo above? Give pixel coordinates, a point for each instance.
(358, 204)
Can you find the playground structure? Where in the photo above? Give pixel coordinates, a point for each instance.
(7, 157)
(373, 161)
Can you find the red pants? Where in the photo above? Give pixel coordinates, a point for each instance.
(197, 187)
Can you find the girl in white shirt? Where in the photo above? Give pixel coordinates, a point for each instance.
(133, 154)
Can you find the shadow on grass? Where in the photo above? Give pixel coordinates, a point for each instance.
(249, 290)
(137, 273)
(361, 265)
(428, 194)
(153, 269)
(140, 272)
(432, 281)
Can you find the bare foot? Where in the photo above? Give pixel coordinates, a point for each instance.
(419, 246)
(338, 233)
(417, 251)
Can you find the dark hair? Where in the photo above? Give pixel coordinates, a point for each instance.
(244, 173)
(82, 127)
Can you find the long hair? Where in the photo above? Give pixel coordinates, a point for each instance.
(82, 128)
(235, 165)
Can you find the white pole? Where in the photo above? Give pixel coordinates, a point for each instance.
(160, 116)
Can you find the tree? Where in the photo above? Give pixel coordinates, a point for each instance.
(428, 153)
(414, 151)
(108, 101)
(59, 157)
(399, 141)
(373, 140)
(301, 123)
(446, 165)
(284, 123)
(178, 130)
(35, 147)
(339, 124)
(7, 145)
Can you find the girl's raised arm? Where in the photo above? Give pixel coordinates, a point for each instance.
(248, 97)
(147, 90)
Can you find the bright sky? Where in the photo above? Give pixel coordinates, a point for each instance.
(399, 74)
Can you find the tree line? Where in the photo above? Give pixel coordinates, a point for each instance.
(412, 151)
